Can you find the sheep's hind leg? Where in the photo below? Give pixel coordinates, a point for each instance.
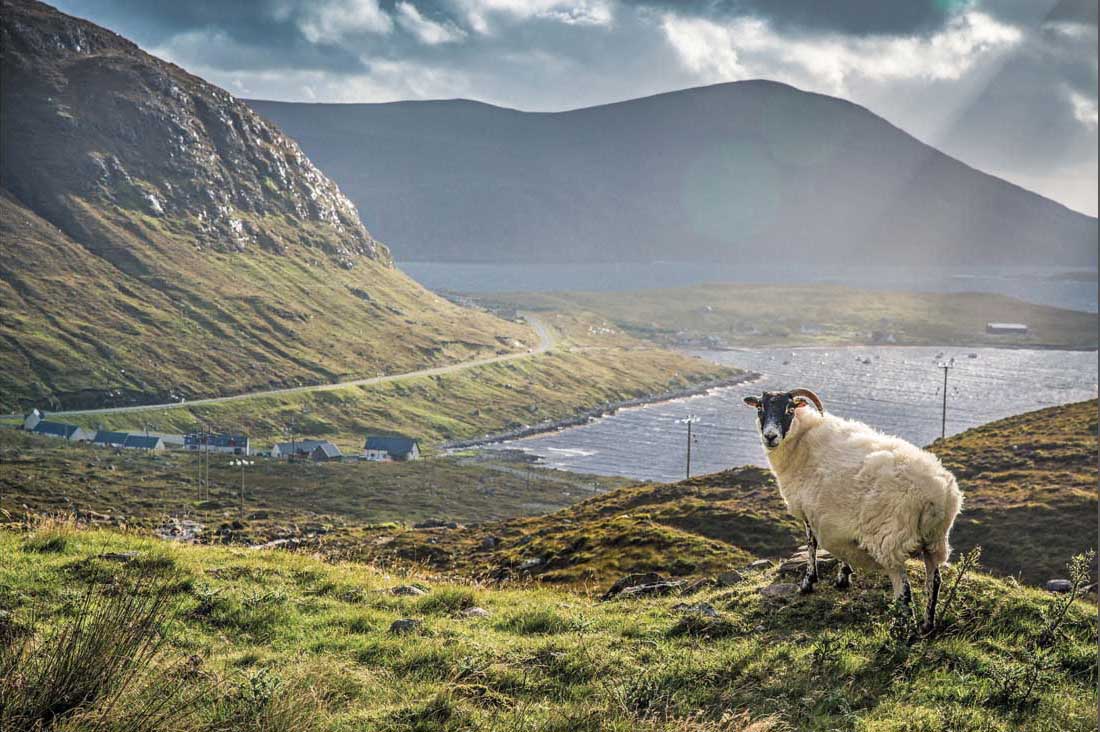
(810, 577)
(843, 576)
(932, 590)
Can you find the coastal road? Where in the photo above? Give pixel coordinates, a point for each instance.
(547, 341)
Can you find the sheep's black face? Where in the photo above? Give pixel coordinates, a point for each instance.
(774, 415)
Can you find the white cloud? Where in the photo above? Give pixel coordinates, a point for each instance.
(1084, 109)
(426, 31)
(571, 12)
(748, 48)
(333, 20)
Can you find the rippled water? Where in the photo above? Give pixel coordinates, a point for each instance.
(898, 391)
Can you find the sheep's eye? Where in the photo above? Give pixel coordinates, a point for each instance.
(790, 409)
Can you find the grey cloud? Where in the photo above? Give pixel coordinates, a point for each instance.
(1015, 118)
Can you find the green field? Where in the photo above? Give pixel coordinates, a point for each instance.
(231, 638)
(137, 490)
(792, 315)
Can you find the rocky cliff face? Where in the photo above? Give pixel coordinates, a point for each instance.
(88, 115)
(161, 241)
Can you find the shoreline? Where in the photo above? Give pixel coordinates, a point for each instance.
(603, 410)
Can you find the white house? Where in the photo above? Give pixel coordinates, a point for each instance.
(295, 448)
(380, 448)
(210, 442)
(31, 420)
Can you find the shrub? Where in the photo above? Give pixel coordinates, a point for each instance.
(89, 662)
(542, 621)
(449, 601)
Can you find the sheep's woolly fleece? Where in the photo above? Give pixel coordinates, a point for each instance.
(873, 500)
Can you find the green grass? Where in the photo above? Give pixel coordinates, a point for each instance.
(45, 476)
(1029, 483)
(461, 405)
(281, 632)
(767, 315)
(159, 320)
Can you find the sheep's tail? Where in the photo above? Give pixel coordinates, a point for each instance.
(936, 520)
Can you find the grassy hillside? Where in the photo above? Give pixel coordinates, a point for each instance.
(464, 404)
(269, 640)
(143, 491)
(1029, 483)
(758, 315)
(178, 245)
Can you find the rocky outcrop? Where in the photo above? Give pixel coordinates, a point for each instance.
(90, 119)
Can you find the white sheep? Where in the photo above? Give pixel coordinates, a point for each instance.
(870, 499)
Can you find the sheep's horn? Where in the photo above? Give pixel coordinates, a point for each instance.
(809, 395)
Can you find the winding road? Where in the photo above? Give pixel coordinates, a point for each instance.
(547, 340)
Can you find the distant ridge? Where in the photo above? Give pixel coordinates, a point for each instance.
(714, 173)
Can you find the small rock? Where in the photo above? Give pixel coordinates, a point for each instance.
(697, 585)
(760, 564)
(796, 565)
(475, 612)
(489, 542)
(633, 580)
(408, 591)
(653, 590)
(702, 608)
(780, 589)
(430, 524)
(728, 579)
(525, 540)
(530, 563)
(405, 625)
(1058, 585)
(119, 556)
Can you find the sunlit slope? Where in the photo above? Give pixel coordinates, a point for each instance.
(1030, 502)
(278, 641)
(161, 240)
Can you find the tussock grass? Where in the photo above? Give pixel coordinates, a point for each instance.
(271, 653)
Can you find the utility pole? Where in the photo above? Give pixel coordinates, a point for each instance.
(690, 420)
(946, 366)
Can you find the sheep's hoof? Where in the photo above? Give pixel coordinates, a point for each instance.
(806, 586)
(842, 582)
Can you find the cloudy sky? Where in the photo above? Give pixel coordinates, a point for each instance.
(1008, 86)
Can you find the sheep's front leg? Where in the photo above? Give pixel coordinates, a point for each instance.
(810, 577)
(903, 593)
(843, 576)
(932, 590)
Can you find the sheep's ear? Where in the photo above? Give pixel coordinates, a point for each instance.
(753, 402)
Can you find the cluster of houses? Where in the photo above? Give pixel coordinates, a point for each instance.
(377, 448)
(33, 422)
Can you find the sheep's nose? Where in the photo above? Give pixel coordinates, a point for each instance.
(771, 438)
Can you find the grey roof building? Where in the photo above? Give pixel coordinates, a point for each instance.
(143, 442)
(297, 447)
(59, 429)
(106, 438)
(390, 447)
(325, 451)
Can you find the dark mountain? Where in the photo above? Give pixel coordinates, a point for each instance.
(161, 239)
(723, 172)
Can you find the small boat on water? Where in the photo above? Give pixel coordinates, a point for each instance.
(971, 355)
